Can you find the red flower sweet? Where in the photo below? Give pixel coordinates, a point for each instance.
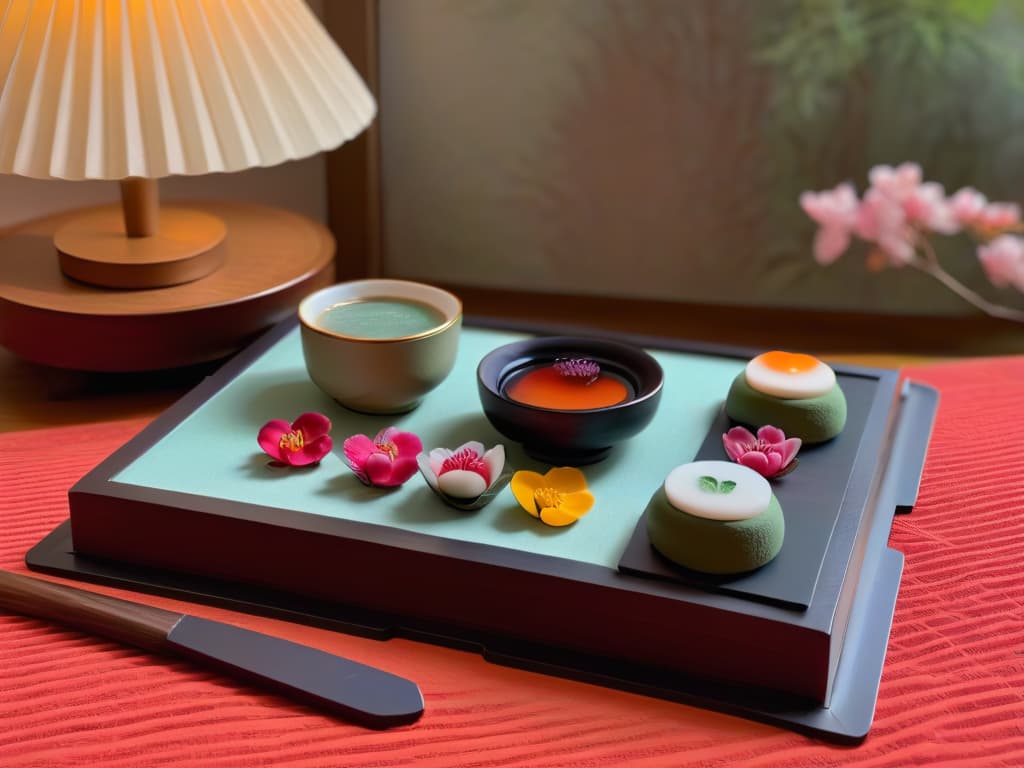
(387, 460)
(303, 442)
(769, 454)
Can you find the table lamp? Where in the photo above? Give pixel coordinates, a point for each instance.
(138, 90)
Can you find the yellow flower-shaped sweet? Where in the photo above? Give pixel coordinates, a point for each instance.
(559, 497)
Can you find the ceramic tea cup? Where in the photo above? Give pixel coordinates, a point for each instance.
(379, 346)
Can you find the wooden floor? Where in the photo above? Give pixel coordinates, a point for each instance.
(33, 396)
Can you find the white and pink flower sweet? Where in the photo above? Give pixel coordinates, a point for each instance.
(466, 477)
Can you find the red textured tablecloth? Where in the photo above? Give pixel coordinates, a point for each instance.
(952, 691)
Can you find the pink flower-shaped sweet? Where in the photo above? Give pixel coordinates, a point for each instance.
(1003, 261)
(770, 453)
(467, 477)
(386, 461)
(304, 441)
(835, 211)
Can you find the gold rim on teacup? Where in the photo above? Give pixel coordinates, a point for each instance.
(312, 325)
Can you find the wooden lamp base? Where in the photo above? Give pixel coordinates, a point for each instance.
(268, 261)
(95, 249)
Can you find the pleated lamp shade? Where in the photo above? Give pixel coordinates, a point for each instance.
(110, 89)
(137, 90)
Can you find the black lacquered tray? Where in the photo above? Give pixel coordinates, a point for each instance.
(800, 643)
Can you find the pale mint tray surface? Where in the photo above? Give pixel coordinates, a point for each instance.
(213, 452)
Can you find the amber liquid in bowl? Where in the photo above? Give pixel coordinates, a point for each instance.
(545, 386)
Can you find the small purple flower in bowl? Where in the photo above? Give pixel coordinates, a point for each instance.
(301, 443)
(386, 461)
(467, 477)
(770, 453)
(579, 368)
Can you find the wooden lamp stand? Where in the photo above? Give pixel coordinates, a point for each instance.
(142, 246)
(120, 292)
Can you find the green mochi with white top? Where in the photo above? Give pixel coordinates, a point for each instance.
(812, 419)
(716, 517)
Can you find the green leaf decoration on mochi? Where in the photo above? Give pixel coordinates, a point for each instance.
(708, 483)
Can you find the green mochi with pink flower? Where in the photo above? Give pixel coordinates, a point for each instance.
(723, 518)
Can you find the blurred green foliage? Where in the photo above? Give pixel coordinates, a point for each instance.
(817, 46)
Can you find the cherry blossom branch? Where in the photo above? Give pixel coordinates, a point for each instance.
(926, 261)
(899, 209)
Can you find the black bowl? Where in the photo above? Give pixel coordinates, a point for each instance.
(570, 437)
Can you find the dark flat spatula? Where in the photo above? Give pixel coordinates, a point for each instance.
(354, 691)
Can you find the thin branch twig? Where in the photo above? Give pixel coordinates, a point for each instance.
(928, 263)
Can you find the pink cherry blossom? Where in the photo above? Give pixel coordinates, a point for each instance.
(386, 461)
(770, 453)
(998, 216)
(1003, 261)
(897, 206)
(897, 183)
(304, 441)
(928, 208)
(836, 212)
(967, 204)
(882, 220)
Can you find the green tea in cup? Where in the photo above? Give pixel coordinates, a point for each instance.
(381, 317)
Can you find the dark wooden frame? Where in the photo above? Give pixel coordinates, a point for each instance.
(353, 170)
(355, 217)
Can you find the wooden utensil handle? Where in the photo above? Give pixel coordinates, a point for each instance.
(132, 623)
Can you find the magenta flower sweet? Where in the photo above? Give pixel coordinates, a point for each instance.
(387, 460)
(304, 441)
(770, 453)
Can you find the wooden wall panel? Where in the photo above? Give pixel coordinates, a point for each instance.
(353, 175)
